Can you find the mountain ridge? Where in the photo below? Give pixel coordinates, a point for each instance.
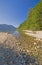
(7, 28)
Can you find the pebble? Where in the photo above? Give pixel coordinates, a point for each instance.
(10, 56)
(35, 43)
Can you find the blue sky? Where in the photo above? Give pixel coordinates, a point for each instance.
(14, 12)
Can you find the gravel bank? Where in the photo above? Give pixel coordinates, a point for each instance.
(10, 53)
(37, 34)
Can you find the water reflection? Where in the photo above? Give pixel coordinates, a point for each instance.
(17, 34)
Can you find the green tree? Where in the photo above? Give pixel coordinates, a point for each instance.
(34, 18)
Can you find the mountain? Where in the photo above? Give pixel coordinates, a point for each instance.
(7, 28)
(34, 19)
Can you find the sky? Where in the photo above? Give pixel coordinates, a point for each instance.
(14, 12)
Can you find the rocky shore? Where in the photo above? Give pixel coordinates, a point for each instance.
(11, 54)
(37, 34)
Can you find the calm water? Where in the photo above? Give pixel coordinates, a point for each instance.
(17, 34)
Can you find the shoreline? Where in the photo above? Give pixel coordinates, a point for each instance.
(37, 34)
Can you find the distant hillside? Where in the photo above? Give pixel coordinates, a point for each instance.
(34, 19)
(7, 28)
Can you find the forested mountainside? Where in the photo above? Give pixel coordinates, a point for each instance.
(34, 19)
